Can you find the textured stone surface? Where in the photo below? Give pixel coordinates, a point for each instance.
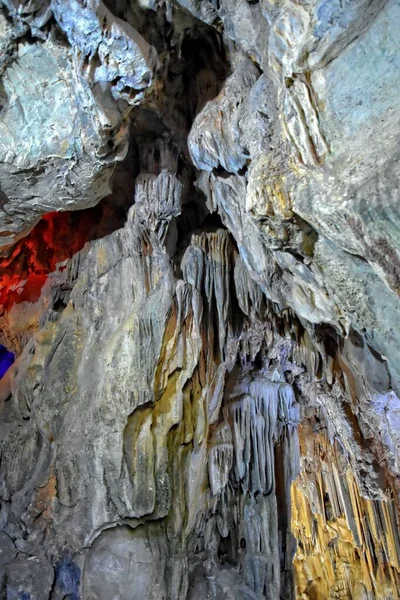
(148, 406)
(61, 129)
(205, 402)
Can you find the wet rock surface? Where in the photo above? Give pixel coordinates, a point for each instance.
(205, 401)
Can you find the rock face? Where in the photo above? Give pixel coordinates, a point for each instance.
(205, 401)
(63, 107)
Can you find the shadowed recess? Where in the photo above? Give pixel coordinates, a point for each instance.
(55, 238)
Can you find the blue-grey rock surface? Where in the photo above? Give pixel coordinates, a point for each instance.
(205, 401)
(65, 100)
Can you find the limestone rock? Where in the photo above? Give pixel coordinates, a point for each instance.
(60, 131)
(205, 396)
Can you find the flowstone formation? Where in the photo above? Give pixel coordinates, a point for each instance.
(199, 282)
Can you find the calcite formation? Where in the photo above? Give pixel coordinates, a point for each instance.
(204, 401)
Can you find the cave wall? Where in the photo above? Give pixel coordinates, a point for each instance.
(204, 398)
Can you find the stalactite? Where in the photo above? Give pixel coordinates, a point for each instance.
(355, 536)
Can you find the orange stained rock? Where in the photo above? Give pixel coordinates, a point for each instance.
(44, 498)
(348, 546)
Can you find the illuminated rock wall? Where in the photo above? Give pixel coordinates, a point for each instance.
(204, 401)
